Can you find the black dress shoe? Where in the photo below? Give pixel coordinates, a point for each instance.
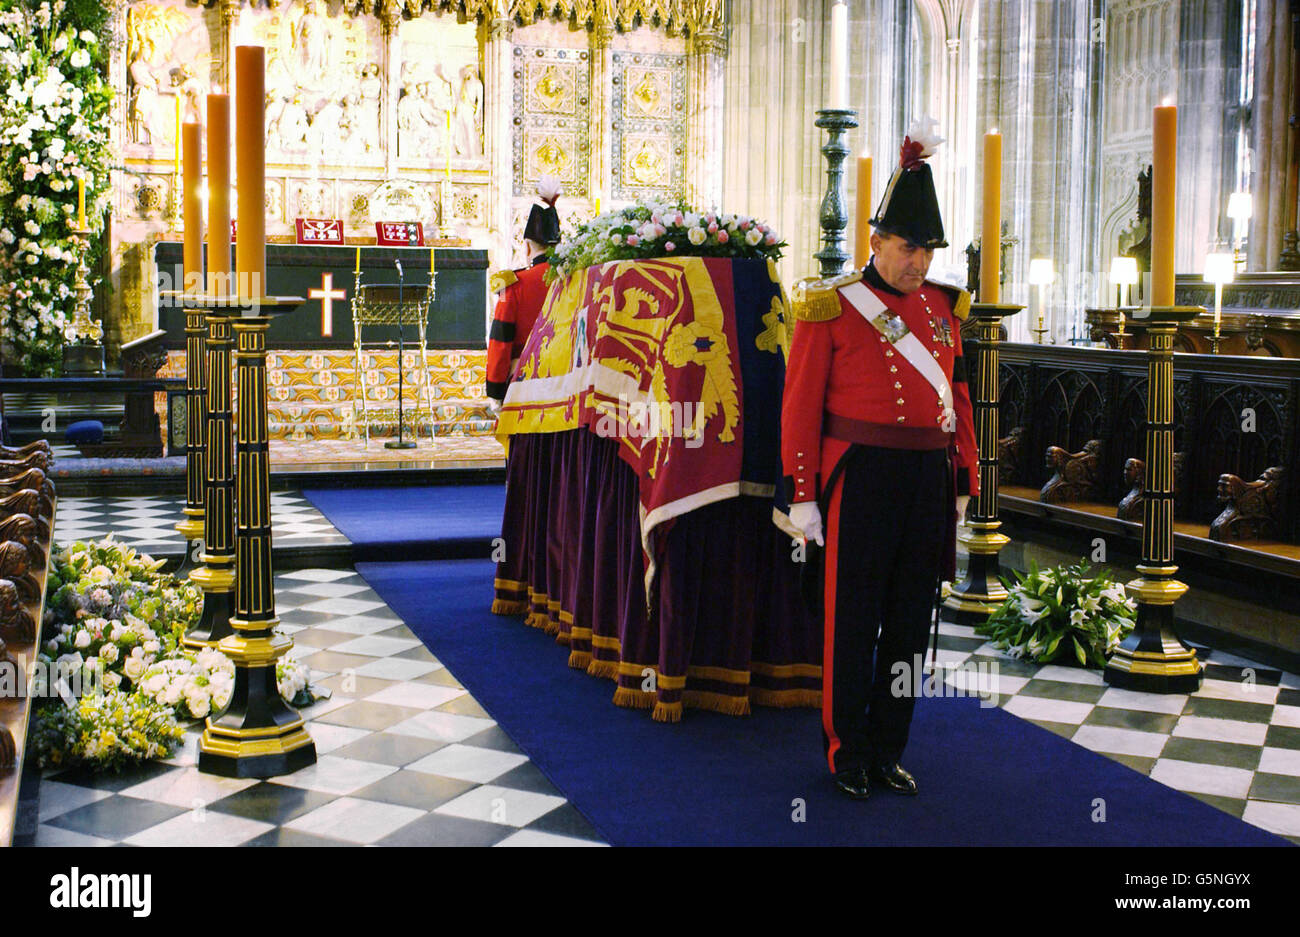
(894, 777)
(854, 782)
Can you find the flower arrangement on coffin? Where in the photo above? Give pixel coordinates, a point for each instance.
(114, 620)
(1061, 614)
(54, 128)
(662, 229)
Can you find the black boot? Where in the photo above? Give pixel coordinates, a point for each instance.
(854, 782)
(894, 777)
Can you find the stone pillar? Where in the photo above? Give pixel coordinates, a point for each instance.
(602, 91)
(704, 88)
(390, 15)
(1269, 132)
(498, 135)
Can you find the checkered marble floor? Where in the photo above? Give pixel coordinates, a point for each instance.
(1234, 744)
(406, 757)
(149, 524)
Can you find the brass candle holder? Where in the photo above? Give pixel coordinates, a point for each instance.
(976, 597)
(257, 735)
(1152, 658)
(82, 327)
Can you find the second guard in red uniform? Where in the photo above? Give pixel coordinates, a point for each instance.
(878, 446)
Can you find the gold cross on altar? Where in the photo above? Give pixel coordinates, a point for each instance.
(326, 294)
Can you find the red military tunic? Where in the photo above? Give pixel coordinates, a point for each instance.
(843, 367)
(522, 293)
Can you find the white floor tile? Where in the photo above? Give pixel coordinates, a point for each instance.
(187, 787)
(1048, 710)
(444, 727)
(468, 763)
(317, 575)
(1069, 675)
(330, 737)
(1280, 761)
(1282, 819)
(329, 589)
(375, 646)
(1171, 704)
(397, 668)
(492, 804)
(1241, 690)
(1286, 716)
(1203, 779)
(334, 775)
(201, 828)
(419, 695)
(342, 606)
(361, 624)
(538, 838)
(1221, 730)
(1116, 741)
(358, 821)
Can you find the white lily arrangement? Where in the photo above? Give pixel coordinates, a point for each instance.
(663, 229)
(1065, 614)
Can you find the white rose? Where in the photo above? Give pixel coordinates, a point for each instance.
(60, 44)
(87, 36)
(753, 236)
(82, 640)
(108, 653)
(6, 235)
(696, 236)
(150, 647)
(153, 684)
(198, 703)
(80, 58)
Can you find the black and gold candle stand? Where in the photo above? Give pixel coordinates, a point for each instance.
(196, 405)
(258, 735)
(1152, 658)
(216, 577)
(977, 596)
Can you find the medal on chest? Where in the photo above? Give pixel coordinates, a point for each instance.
(940, 327)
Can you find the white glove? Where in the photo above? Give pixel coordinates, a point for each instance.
(494, 407)
(807, 517)
(962, 502)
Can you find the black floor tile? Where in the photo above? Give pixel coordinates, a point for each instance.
(1139, 763)
(1203, 751)
(283, 837)
(116, 817)
(386, 748)
(1064, 729)
(271, 803)
(1288, 697)
(565, 820)
(1261, 675)
(1228, 709)
(1231, 805)
(112, 780)
(321, 637)
(1131, 719)
(293, 616)
(1282, 737)
(528, 777)
(953, 642)
(439, 830)
(357, 687)
(440, 677)
(417, 653)
(1280, 788)
(494, 738)
(1009, 666)
(1058, 689)
(414, 789)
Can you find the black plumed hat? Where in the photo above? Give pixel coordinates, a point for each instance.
(910, 208)
(543, 220)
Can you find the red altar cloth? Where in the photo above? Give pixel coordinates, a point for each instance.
(643, 436)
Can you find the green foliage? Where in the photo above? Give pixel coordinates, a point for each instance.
(1061, 614)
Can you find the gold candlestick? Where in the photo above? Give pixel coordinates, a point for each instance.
(82, 325)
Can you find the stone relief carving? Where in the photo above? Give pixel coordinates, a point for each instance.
(167, 56)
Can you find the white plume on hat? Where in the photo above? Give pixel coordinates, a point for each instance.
(925, 131)
(549, 189)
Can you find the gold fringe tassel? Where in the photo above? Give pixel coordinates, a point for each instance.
(508, 607)
(603, 668)
(723, 703)
(580, 660)
(786, 699)
(632, 698)
(667, 712)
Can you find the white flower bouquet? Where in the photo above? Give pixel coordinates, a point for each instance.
(1061, 614)
(663, 229)
(104, 730)
(192, 684)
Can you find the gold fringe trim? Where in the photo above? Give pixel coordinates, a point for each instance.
(563, 639)
(537, 620)
(550, 625)
(580, 660)
(607, 643)
(631, 698)
(723, 703)
(719, 674)
(787, 670)
(508, 607)
(667, 712)
(786, 699)
(603, 668)
(509, 584)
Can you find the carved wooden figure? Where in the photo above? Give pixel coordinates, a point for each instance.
(1251, 509)
(31, 504)
(40, 445)
(1010, 450)
(16, 623)
(22, 529)
(16, 567)
(1075, 475)
(33, 479)
(1130, 506)
(34, 459)
(8, 751)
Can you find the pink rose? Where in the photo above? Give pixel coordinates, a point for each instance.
(713, 226)
(633, 240)
(744, 226)
(723, 237)
(770, 239)
(679, 220)
(669, 246)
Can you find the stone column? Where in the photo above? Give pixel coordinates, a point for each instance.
(390, 15)
(707, 52)
(498, 135)
(602, 103)
(1269, 132)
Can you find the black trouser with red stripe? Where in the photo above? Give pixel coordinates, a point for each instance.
(884, 544)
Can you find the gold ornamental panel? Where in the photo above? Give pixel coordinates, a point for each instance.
(649, 93)
(647, 159)
(551, 87)
(550, 152)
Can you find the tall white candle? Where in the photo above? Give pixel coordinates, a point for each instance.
(839, 78)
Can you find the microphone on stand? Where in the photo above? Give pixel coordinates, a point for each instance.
(400, 442)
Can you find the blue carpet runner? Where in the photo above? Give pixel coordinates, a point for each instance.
(414, 522)
(987, 777)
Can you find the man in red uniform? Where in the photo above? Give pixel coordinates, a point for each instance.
(521, 293)
(878, 443)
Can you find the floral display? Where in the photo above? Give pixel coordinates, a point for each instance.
(663, 229)
(1063, 613)
(112, 638)
(54, 130)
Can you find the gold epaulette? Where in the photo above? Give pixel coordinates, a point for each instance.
(818, 300)
(501, 279)
(959, 297)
